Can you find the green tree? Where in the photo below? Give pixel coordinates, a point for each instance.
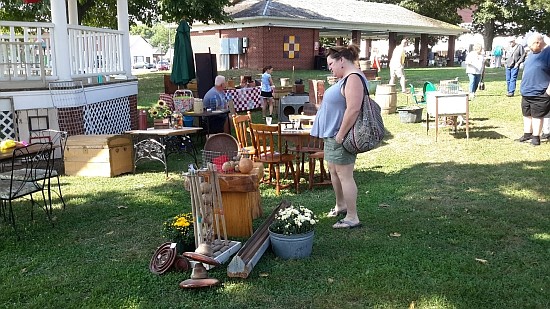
(142, 30)
(539, 4)
(96, 13)
(163, 36)
(508, 17)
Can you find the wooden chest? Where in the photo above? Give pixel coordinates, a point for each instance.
(99, 155)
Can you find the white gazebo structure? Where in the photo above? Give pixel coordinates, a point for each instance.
(64, 76)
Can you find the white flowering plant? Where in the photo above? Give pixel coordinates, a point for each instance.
(293, 220)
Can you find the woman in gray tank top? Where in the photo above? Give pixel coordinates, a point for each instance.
(338, 112)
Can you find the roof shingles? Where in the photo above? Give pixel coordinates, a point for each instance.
(352, 11)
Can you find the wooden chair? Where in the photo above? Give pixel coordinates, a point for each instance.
(324, 178)
(307, 145)
(268, 151)
(245, 136)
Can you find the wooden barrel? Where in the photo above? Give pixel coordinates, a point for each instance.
(386, 97)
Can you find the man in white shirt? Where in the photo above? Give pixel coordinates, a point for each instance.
(397, 65)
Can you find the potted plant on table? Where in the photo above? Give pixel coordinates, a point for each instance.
(160, 113)
(180, 230)
(291, 233)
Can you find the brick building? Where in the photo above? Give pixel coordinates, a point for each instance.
(285, 33)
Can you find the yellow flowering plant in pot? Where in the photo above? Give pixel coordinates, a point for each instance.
(160, 111)
(179, 229)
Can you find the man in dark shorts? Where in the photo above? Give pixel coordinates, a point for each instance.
(535, 89)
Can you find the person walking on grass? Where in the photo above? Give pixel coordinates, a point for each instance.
(474, 68)
(497, 53)
(515, 59)
(535, 89)
(340, 108)
(397, 63)
(267, 91)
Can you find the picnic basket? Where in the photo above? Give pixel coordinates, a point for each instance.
(183, 100)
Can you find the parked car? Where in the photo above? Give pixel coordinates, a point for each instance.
(163, 66)
(143, 65)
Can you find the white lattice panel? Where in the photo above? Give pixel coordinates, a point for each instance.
(108, 117)
(7, 121)
(7, 130)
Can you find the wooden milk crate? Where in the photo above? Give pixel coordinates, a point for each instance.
(99, 155)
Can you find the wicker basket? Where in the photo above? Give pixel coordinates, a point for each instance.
(220, 148)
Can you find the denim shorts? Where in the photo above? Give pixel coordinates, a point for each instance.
(336, 153)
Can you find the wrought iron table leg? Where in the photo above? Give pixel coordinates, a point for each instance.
(152, 150)
(180, 144)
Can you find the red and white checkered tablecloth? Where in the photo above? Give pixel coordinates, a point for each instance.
(244, 98)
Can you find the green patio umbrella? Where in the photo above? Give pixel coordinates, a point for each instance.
(183, 66)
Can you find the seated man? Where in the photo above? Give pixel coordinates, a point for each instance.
(215, 99)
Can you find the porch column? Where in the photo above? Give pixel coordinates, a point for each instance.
(356, 37)
(73, 12)
(61, 41)
(392, 42)
(451, 51)
(423, 50)
(122, 16)
(368, 43)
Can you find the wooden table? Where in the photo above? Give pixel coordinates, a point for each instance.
(157, 144)
(207, 115)
(6, 156)
(447, 104)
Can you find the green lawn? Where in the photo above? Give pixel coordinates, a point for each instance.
(472, 215)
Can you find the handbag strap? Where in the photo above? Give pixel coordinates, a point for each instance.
(362, 80)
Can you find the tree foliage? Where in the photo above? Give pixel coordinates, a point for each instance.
(539, 4)
(102, 13)
(13, 10)
(508, 17)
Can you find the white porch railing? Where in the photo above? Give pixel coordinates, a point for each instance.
(27, 52)
(95, 51)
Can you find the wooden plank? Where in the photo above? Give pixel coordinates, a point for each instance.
(248, 256)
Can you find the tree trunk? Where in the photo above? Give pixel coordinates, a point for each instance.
(488, 34)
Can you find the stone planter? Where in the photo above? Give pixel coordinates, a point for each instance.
(292, 247)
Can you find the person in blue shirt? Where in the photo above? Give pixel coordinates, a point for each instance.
(267, 90)
(497, 53)
(215, 99)
(535, 89)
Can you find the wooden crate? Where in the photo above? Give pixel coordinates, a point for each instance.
(99, 155)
